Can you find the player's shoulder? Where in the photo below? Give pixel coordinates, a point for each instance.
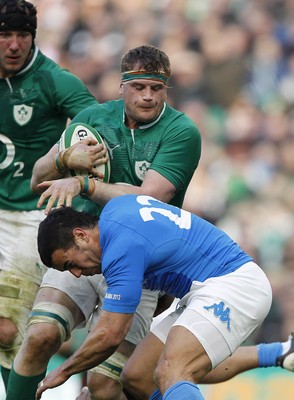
(116, 202)
(100, 111)
(59, 74)
(176, 117)
(119, 208)
(178, 126)
(111, 106)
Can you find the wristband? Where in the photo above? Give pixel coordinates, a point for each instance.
(58, 164)
(85, 186)
(85, 182)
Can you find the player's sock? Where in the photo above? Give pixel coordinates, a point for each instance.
(22, 387)
(268, 354)
(156, 395)
(183, 390)
(277, 354)
(5, 375)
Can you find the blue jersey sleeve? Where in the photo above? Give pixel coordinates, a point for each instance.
(123, 265)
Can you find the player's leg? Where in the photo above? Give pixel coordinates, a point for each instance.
(220, 314)
(179, 368)
(243, 359)
(54, 315)
(137, 374)
(14, 313)
(277, 354)
(104, 381)
(21, 273)
(42, 340)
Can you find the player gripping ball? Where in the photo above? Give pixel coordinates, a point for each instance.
(72, 135)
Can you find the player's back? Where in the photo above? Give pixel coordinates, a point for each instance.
(170, 247)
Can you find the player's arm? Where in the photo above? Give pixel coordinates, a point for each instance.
(44, 169)
(102, 341)
(154, 184)
(62, 191)
(55, 165)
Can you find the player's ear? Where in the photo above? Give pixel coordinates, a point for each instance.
(120, 91)
(80, 235)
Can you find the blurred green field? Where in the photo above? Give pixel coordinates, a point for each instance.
(259, 384)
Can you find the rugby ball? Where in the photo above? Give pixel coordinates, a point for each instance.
(79, 131)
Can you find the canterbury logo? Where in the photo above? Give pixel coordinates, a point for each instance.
(221, 312)
(110, 150)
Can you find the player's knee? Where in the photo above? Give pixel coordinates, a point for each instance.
(8, 332)
(42, 339)
(102, 387)
(132, 380)
(160, 374)
(54, 318)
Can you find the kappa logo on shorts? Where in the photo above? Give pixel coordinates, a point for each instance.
(220, 311)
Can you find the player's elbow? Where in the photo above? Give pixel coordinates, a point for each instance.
(34, 185)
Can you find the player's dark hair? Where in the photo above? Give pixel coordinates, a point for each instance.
(56, 231)
(18, 15)
(147, 58)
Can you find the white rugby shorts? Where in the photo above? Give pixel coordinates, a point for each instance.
(18, 244)
(223, 311)
(21, 271)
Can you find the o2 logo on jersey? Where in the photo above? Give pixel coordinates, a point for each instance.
(183, 221)
(10, 154)
(10, 151)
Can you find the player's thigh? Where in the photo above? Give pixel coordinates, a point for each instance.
(19, 256)
(143, 316)
(138, 370)
(79, 295)
(55, 298)
(183, 356)
(21, 270)
(222, 312)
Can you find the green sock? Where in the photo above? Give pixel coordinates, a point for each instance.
(22, 387)
(5, 375)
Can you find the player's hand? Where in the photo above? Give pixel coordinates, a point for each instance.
(61, 190)
(52, 380)
(85, 155)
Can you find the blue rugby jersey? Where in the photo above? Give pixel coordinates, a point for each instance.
(150, 244)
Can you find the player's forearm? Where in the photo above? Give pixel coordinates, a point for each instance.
(44, 170)
(104, 192)
(154, 185)
(88, 356)
(101, 342)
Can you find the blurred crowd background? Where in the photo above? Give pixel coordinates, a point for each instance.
(233, 74)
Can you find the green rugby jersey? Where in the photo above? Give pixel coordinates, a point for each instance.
(34, 107)
(171, 145)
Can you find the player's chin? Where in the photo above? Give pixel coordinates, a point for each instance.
(147, 115)
(92, 271)
(13, 68)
